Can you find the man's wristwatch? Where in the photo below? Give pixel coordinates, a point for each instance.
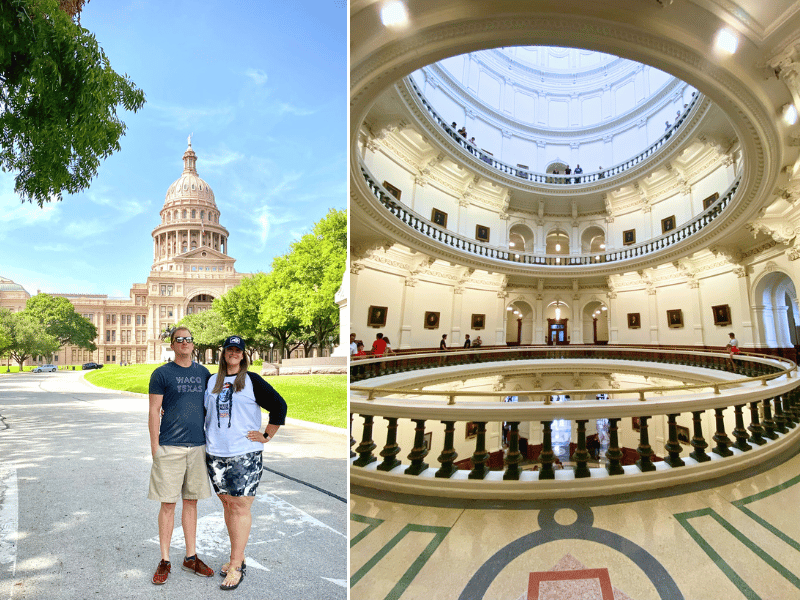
(266, 435)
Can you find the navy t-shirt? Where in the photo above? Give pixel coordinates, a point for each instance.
(183, 389)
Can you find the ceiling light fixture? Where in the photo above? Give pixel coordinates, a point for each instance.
(727, 41)
(789, 114)
(558, 247)
(394, 14)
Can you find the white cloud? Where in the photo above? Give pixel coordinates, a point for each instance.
(257, 75)
(286, 108)
(188, 119)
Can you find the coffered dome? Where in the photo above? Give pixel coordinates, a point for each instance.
(189, 188)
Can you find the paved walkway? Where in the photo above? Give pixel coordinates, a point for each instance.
(75, 522)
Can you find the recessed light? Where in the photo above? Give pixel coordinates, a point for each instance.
(789, 113)
(394, 14)
(727, 41)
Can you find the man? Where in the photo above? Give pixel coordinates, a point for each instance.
(353, 345)
(379, 345)
(467, 342)
(177, 443)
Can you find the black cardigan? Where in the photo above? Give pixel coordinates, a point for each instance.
(268, 399)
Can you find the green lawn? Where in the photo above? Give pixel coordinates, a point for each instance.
(315, 398)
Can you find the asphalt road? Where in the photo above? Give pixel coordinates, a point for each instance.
(75, 521)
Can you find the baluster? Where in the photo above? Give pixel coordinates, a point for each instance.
(419, 451)
(581, 454)
(513, 456)
(547, 454)
(755, 427)
(449, 454)
(365, 448)
(769, 423)
(780, 418)
(480, 456)
(673, 446)
(645, 462)
(614, 453)
(790, 409)
(739, 432)
(698, 441)
(391, 449)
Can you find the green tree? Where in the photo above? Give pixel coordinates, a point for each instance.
(305, 280)
(58, 100)
(60, 320)
(208, 330)
(6, 338)
(29, 338)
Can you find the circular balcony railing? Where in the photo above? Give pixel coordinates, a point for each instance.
(427, 228)
(763, 391)
(547, 178)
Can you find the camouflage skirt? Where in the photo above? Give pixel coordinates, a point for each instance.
(235, 475)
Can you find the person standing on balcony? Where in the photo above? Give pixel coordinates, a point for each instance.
(353, 345)
(379, 345)
(733, 349)
(578, 171)
(443, 343)
(467, 342)
(477, 343)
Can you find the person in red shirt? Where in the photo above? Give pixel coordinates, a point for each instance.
(379, 345)
(360, 350)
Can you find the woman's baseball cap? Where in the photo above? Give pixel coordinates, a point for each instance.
(234, 341)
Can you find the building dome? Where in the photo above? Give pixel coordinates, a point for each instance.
(6, 285)
(189, 188)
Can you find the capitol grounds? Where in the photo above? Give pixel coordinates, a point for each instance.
(320, 399)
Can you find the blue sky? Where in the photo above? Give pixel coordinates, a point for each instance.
(262, 86)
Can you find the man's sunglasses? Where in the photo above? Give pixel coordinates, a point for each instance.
(180, 339)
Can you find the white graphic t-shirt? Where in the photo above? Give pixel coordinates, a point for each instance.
(229, 416)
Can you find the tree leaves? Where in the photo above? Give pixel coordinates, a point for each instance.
(58, 101)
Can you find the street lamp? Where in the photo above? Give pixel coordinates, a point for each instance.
(270, 350)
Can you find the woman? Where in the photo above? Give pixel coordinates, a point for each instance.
(234, 443)
(733, 349)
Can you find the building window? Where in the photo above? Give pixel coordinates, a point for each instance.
(114, 319)
(108, 335)
(166, 289)
(163, 311)
(194, 214)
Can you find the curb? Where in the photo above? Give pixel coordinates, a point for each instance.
(289, 421)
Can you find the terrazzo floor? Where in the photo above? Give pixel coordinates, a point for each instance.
(730, 539)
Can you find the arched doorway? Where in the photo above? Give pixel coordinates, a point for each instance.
(595, 323)
(199, 303)
(520, 238)
(776, 309)
(519, 323)
(558, 314)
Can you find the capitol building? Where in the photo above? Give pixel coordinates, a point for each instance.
(190, 268)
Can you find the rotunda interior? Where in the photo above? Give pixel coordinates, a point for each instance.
(679, 229)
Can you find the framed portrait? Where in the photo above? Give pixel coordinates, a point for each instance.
(710, 200)
(636, 423)
(634, 321)
(432, 320)
(392, 190)
(722, 314)
(675, 318)
(683, 435)
(629, 237)
(668, 224)
(376, 317)
(478, 321)
(428, 440)
(472, 430)
(439, 217)
(481, 233)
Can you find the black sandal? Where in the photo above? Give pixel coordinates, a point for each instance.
(242, 570)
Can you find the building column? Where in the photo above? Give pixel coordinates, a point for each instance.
(456, 316)
(696, 312)
(406, 311)
(652, 304)
(613, 319)
(539, 320)
(500, 328)
(750, 337)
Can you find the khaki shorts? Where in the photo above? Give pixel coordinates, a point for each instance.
(179, 472)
